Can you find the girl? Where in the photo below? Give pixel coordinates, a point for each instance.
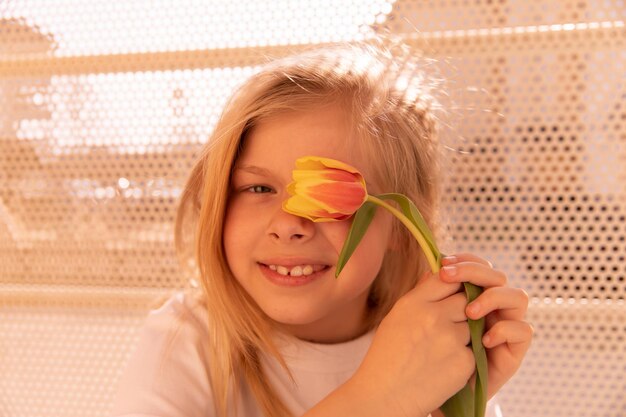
(273, 333)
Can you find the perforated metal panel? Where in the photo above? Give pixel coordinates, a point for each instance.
(105, 105)
(537, 179)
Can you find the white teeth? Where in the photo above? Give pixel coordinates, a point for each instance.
(295, 271)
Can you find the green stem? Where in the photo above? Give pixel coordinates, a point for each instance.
(434, 265)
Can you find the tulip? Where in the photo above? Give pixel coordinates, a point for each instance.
(326, 190)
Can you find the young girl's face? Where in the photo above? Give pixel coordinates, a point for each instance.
(261, 240)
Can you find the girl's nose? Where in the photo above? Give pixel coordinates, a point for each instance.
(287, 228)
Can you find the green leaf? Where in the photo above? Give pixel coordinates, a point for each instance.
(477, 329)
(412, 213)
(362, 219)
(463, 403)
(460, 404)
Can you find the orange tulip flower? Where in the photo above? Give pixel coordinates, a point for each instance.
(325, 190)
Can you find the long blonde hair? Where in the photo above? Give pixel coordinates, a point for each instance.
(391, 106)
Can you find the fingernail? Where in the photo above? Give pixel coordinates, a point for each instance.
(449, 259)
(449, 270)
(486, 339)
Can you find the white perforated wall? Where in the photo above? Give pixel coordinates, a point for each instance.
(104, 106)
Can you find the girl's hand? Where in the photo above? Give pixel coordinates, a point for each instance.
(507, 336)
(419, 356)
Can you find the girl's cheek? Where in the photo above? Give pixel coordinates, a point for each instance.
(335, 232)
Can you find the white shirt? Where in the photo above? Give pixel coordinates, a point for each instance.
(156, 384)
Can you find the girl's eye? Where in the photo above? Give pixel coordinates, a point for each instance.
(259, 189)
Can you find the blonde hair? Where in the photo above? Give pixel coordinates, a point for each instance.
(391, 106)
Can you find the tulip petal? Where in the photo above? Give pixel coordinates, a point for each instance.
(303, 207)
(319, 163)
(340, 197)
(328, 174)
(331, 196)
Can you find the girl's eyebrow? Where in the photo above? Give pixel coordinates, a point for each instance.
(253, 170)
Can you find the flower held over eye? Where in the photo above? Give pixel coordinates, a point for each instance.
(326, 190)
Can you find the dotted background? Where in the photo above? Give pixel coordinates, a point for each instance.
(104, 106)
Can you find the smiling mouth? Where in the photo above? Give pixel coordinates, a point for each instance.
(296, 270)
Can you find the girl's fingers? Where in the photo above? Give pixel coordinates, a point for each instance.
(476, 273)
(510, 303)
(431, 288)
(516, 334)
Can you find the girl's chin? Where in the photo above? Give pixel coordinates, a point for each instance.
(300, 324)
(312, 328)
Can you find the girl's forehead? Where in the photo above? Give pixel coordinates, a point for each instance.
(321, 131)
